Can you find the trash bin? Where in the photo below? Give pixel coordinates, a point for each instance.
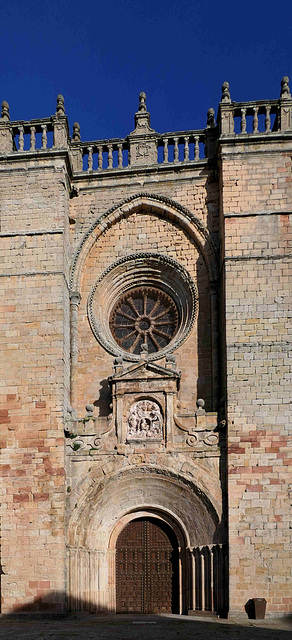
(256, 608)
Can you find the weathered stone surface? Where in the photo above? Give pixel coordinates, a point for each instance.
(94, 433)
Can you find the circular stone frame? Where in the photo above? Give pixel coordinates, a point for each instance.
(149, 270)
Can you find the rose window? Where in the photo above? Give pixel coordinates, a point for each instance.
(144, 315)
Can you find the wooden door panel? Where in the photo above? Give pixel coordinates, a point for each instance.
(146, 567)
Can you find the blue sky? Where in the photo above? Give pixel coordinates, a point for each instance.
(100, 55)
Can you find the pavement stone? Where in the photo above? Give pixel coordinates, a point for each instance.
(130, 627)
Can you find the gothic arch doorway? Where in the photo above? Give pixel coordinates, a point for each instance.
(147, 568)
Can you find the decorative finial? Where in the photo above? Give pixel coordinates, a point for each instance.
(211, 118)
(200, 405)
(142, 101)
(5, 115)
(89, 409)
(76, 132)
(285, 91)
(225, 92)
(60, 111)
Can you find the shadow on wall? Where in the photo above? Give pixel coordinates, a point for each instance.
(53, 604)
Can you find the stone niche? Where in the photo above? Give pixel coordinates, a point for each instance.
(144, 396)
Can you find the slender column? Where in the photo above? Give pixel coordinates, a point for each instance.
(120, 155)
(186, 149)
(74, 301)
(44, 136)
(243, 121)
(202, 556)
(165, 150)
(268, 119)
(90, 159)
(197, 148)
(112, 604)
(110, 156)
(211, 581)
(32, 138)
(100, 157)
(255, 119)
(21, 138)
(175, 150)
(180, 581)
(193, 580)
(215, 332)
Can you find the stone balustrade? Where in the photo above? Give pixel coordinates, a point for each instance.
(99, 155)
(174, 147)
(33, 135)
(144, 146)
(255, 117)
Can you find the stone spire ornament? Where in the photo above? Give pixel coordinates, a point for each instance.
(60, 110)
(285, 90)
(225, 92)
(5, 115)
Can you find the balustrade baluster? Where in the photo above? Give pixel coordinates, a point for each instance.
(165, 150)
(175, 150)
(186, 149)
(197, 148)
(243, 121)
(268, 119)
(99, 157)
(255, 122)
(44, 136)
(32, 138)
(120, 155)
(21, 138)
(110, 156)
(90, 159)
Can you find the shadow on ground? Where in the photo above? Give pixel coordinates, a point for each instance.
(130, 627)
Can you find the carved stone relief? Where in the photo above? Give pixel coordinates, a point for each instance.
(144, 421)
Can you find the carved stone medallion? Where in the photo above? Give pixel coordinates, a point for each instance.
(144, 421)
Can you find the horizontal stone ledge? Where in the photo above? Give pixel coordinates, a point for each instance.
(244, 214)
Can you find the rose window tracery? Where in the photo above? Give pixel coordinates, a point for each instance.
(144, 315)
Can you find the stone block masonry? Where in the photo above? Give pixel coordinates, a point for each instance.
(150, 272)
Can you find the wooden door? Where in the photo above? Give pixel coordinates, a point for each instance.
(147, 568)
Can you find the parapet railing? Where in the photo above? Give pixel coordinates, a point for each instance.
(255, 117)
(174, 147)
(33, 134)
(144, 146)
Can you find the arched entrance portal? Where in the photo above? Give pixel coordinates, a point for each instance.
(147, 568)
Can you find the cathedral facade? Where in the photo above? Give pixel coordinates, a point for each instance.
(145, 379)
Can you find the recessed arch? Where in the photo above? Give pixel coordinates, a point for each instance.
(106, 504)
(159, 205)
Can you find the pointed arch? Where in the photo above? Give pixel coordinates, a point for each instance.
(159, 205)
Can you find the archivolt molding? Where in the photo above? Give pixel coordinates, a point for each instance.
(162, 206)
(97, 498)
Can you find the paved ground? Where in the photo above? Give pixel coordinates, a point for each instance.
(126, 627)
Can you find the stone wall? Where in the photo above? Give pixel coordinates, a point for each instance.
(34, 382)
(257, 229)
